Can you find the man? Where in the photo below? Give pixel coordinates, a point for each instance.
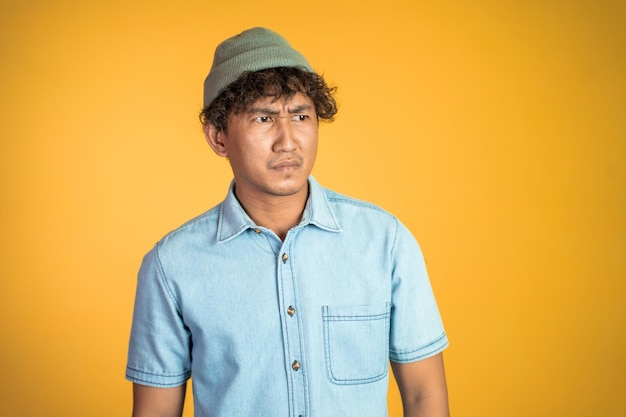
(286, 299)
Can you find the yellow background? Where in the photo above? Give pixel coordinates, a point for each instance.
(495, 130)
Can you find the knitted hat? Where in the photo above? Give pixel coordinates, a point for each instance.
(252, 50)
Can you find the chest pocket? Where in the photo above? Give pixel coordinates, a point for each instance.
(356, 342)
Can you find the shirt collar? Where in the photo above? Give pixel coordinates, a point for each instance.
(233, 220)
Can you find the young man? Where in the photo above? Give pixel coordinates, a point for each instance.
(286, 299)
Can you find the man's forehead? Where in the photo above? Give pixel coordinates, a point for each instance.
(297, 101)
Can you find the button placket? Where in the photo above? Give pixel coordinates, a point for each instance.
(293, 346)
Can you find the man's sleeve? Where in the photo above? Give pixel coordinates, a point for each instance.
(159, 349)
(416, 327)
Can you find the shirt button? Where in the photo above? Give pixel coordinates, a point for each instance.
(295, 365)
(285, 258)
(291, 311)
(257, 231)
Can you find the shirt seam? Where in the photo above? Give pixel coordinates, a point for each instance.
(165, 281)
(162, 374)
(394, 247)
(334, 197)
(393, 353)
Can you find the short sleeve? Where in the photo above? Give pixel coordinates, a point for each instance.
(159, 349)
(417, 330)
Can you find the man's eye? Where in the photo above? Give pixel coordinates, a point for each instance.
(263, 119)
(302, 117)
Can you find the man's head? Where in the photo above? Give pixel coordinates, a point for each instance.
(255, 64)
(263, 103)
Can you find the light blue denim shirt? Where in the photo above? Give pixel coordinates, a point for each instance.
(304, 327)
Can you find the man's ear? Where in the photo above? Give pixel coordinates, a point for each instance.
(215, 139)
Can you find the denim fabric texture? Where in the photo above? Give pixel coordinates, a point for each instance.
(304, 327)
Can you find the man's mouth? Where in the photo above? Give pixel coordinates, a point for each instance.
(287, 165)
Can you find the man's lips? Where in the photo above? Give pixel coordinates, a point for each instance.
(286, 165)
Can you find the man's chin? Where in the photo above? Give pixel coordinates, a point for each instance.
(289, 188)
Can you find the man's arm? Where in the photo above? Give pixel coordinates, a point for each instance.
(158, 402)
(423, 387)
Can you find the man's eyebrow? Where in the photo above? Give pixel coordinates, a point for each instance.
(266, 110)
(300, 108)
(262, 110)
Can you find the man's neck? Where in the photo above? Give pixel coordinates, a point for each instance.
(277, 213)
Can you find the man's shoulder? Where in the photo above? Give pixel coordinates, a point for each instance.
(199, 227)
(340, 201)
(356, 214)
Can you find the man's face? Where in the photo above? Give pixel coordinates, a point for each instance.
(272, 147)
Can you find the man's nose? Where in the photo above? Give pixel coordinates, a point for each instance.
(285, 140)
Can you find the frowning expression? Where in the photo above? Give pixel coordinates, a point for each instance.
(271, 146)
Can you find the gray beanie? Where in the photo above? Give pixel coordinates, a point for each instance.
(252, 50)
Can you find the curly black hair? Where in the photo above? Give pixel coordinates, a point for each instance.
(272, 82)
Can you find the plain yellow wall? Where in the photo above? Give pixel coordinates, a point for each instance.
(495, 130)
